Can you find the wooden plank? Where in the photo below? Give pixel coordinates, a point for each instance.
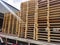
(55, 40)
(42, 38)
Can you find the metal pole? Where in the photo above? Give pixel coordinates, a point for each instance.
(28, 43)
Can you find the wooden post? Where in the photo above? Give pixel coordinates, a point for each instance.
(48, 24)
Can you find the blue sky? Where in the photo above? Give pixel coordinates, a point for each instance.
(15, 3)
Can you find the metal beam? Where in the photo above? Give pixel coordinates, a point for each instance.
(26, 40)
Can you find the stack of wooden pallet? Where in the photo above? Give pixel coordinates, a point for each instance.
(48, 20)
(18, 24)
(42, 20)
(10, 24)
(23, 19)
(55, 20)
(5, 23)
(39, 21)
(30, 20)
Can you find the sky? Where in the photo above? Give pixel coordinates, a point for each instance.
(15, 3)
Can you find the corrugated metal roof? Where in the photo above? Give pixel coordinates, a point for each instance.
(4, 10)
